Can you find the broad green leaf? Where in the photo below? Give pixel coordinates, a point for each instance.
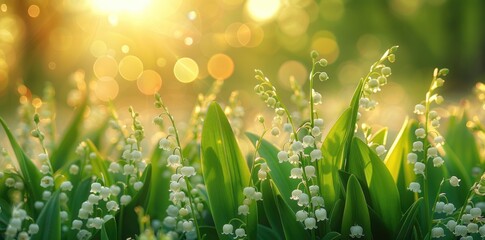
(100, 165)
(454, 167)
(79, 194)
(332, 236)
(159, 187)
(336, 215)
(140, 199)
(29, 171)
(335, 149)
(109, 231)
(280, 172)
(291, 227)
(208, 232)
(396, 162)
(265, 233)
(270, 207)
(355, 210)
(225, 172)
(5, 214)
(70, 139)
(384, 195)
(408, 220)
(461, 140)
(49, 220)
(380, 137)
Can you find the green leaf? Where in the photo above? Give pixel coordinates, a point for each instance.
(280, 172)
(384, 195)
(61, 154)
(292, 228)
(408, 220)
(159, 187)
(355, 210)
(265, 233)
(380, 137)
(109, 231)
(461, 140)
(79, 194)
(225, 172)
(396, 162)
(337, 216)
(208, 232)
(270, 207)
(100, 167)
(336, 148)
(29, 171)
(5, 214)
(140, 199)
(332, 236)
(49, 220)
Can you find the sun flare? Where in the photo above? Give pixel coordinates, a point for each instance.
(118, 6)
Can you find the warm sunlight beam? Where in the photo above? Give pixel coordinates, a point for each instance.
(118, 6)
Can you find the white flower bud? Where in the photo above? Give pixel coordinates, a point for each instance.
(66, 186)
(303, 200)
(295, 194)
(381, 150)
(419, 168)
(437, 232)
(420, 133)
(438, 161)
(461, 230)
(418, 146)
(315, 154)
(308, 141)
(454, 181)
(356, 231)
(414, 187)
(227, 229)
(282, 156)
(321, 214)
(310, 223)
(451, 224)
(301, 215)
(187, 171)
(449, 208)
(74, 169)
(412, 158)
(439, 207)
(33, 228)
(243, 210)
(296, 173)
(297, 146)
(310, 171)
(240, 233)
(419, 109)
(476, 212)
(125, 200)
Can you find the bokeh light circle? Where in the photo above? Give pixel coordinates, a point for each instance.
(293, 21)
(149, 82)
(105, 66)
(98, 48)
(324, 42)
(130, 67)
(106, 88)
(220, 66)
(262, 10)
(186, 70)
(292, 69)
(33, 11)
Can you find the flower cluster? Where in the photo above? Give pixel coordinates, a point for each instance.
(186, 207)
(375, 79)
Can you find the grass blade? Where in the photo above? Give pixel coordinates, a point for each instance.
(29, 171)
(408, 220)
(69, 140)
(225, 171)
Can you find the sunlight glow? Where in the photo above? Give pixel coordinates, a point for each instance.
(117, 6)
(263, 10)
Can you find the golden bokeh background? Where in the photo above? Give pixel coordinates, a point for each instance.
(131, 49)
